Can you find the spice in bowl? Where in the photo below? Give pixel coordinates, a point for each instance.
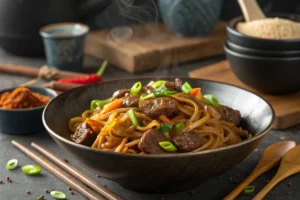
(271, 28)
(22, 98)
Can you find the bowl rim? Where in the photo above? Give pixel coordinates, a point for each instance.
(282, 52)
(48, 90)
(44, 31)
(277, 58)
(154, 156)
(233, 22)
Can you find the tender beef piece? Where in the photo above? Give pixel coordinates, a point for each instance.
(174, 85)
(146, 89)
(158, 106)
(84, 134)
(131, 101)
(187, 142)
(229, 114)
(149, 142)
(120, 93)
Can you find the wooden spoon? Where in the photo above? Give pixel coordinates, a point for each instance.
(251, 10)
(269, 159)
(290, 164)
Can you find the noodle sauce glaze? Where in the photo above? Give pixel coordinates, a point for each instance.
(162, 117)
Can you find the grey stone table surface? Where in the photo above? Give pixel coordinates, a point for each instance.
(214, 189)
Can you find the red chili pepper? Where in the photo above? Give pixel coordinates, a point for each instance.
(91, 78)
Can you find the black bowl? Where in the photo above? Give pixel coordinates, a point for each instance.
(258, 43)
(274, 75)
(258, 52)
(166, 173)
(24, 121)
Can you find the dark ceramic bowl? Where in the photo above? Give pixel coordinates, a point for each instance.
(166, 173)
(274, 75)
(262, 44)
(258, 52)
(24, 121)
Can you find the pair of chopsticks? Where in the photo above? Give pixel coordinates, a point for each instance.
(74, 178)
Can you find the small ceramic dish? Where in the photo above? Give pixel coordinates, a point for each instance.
(24, 121)
(64, 43)
(273, 75)
(259, 43)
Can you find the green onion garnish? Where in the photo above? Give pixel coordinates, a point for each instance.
(58, 195)
(31, 169)
(164, 93)
(186, 88)
(211, 100)
(147, 96)
(133, 118)
(166, 127)
(158, 83)
(99, 103)
(168, 146)
(12, 164)
(249, 189)
(136, 88)
(179, 126)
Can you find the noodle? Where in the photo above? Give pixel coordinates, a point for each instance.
(116, 131)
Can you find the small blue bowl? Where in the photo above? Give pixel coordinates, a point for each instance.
(64, 44)
(24, 121)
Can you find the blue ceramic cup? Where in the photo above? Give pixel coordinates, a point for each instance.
(64, 43)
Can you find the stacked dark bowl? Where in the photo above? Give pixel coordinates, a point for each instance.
(270, 66)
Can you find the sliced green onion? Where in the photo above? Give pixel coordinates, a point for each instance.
(158, 83)
(31, 169)
(99, 103)
(168, 146)
(249, 189)
(58, 195)
(133, 118)
(170, 92)
(211, 100)
(136, 88)
(165, 127)
(186, 88)
(179, 126)
(12, 164)
(164, 93)
(147, 96)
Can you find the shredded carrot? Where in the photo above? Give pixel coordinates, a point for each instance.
(164, 119)
(115, 104)
(195, 91)
(96, 126)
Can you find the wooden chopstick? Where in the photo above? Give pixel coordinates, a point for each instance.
(59, 173)
(76, 173)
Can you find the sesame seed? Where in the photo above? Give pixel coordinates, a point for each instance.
(72, 193)
(28, 192)
(47, 191)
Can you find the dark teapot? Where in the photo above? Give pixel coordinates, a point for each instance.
(20, 21)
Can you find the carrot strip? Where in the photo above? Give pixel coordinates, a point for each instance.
(195, 92)
(115, 104)
(164, 119)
